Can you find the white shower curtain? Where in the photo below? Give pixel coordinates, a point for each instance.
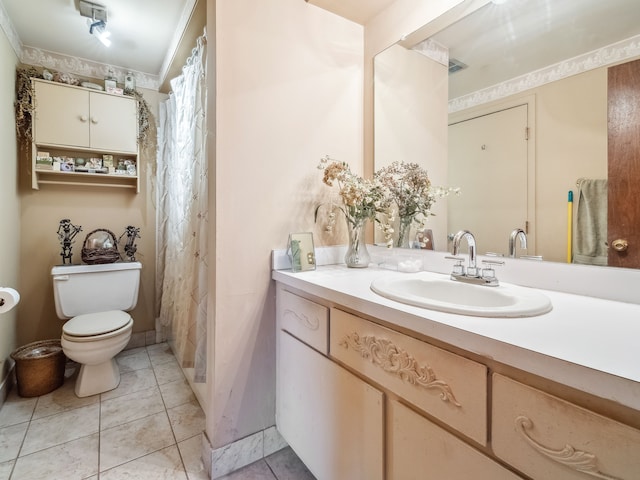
(182, 202)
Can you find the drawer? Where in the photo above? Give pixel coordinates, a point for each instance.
(442, 384)
(304, 319)
(418, 449)
(546, 437)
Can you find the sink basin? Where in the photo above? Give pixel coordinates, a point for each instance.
(438, 292)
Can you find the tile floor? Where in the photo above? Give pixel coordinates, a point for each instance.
(282, 465)
(147, 428)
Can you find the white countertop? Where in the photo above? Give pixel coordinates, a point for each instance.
(587, 343)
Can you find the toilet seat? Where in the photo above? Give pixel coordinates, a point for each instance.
(96, 326)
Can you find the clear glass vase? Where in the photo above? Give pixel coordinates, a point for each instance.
(404, 230)
(357, 255)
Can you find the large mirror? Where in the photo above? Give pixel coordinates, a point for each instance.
(526, 83)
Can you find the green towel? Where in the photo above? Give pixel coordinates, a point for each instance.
(590, 237)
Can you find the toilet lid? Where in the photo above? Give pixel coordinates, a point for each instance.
(91, 324)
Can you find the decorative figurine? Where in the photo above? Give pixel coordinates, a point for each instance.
(130, 247)
(66, 233)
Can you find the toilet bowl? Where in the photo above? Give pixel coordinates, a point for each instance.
(93, 340)
(95, 299)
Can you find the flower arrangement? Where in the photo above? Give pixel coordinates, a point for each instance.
(401, 188)
(362, 199)
(413, 194)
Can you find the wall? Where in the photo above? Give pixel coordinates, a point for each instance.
(9, 200)
(289, 90)
(114, 209)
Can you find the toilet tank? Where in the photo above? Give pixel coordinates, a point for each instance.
(80, 289)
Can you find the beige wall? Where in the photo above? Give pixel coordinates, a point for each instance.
(289, 90)
(113, 209)
(9, 201)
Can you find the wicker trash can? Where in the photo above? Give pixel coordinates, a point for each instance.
(39, 367)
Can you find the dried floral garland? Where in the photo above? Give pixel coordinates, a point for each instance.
(24, 103)
(24, 106)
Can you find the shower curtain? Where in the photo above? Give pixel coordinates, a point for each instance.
(182, 202)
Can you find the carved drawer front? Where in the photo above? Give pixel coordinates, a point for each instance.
(546, 437)
(447, 386)
(304, 319)
(418, 449)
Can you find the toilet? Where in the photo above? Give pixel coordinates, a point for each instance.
(95, 299)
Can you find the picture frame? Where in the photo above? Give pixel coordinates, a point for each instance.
(301, 252)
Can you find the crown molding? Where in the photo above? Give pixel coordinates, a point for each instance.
(83, 67)
(179, 33)
(615, 53)
(7, 26)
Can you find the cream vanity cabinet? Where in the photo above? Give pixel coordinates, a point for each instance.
(75, 121)
(332, 419)
(354, 398)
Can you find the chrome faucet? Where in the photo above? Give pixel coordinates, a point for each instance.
(472, 270)
(518, 232)
(472, 274)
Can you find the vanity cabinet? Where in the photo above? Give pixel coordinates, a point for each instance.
(547, 437)
(358, 397)
(74, 122)
(332, 419)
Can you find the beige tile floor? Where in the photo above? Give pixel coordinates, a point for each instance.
(147, 428)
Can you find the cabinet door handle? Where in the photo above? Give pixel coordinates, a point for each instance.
(83, 118)
(94, 120)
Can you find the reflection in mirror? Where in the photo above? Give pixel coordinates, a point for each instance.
(301, 252)
(527, 113)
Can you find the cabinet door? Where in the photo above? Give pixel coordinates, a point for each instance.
(418, 450)
(331, 419)
(114, 124)
(61, 116)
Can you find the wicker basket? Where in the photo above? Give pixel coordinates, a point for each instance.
(93, 255)
(39, 367)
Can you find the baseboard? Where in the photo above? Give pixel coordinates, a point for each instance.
(142, 339)
(224, 460)
(7, 384)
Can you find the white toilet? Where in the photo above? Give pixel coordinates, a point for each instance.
(96, 298)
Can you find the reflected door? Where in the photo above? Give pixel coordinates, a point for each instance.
(488, 161)
(623, 215)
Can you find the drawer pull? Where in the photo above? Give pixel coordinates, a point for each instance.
(304, 320)
(568, 456)
(384, 354)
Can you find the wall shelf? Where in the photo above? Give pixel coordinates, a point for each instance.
(72, 123)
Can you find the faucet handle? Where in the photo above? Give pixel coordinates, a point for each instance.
(488, 270)
(458, 268)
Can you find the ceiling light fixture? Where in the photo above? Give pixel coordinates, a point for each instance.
(98, 29)
(97, 20)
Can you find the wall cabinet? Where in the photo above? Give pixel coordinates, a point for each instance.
(77, 122)
(414, 411)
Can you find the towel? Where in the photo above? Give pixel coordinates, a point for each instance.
(590, 237)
